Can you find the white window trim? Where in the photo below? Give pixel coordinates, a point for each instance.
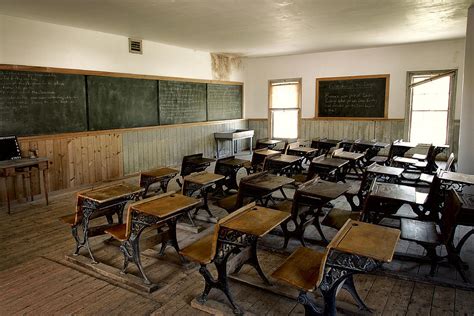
(270, 109)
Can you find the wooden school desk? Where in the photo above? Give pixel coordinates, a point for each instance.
(11, 168)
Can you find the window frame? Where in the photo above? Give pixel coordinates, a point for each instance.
(271, 110)
(451, 101)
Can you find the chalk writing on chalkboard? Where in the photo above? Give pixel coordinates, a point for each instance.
(32, 103)
(224, 102)
(352, 96)
(182, 102)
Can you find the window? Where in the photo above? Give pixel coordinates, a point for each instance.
(430, 103)
(284, 108)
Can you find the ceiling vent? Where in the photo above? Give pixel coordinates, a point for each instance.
(135, 46)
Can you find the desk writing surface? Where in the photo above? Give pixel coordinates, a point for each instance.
(160, 172)
(269, 182)
(109, 193)
(397, 192)
(331, 162)
(368, 240)
(266, 152)
(234, 162)
(405, 144)
(349, 155)
(303, 149)
(257, 221)
(386, 170)
(285, 158)
(204, 178)
(269, 141)
(325, 189)
(457, 177)
(164, 206)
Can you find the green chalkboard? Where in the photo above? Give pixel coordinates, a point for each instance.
(182, 102)
(359, 96)
(121, 102)
(224, 102)
(41, 103)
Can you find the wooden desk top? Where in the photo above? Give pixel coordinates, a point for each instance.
(396, 192)
(266, 152)
(325, 189)
(385, 170)
(349, 155)
(406, 160)
(160, 172)
(269, 141)
(111, 192)
(304, 150)
(368, 240)
(456, 177)
(234, 162)
(331, 162)
(203, 178)
(21, 163)
(269, 182)
(285, 158)
(405, 144)
(164, 206)
(257, 221)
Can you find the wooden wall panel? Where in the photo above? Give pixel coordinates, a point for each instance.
(384, 130)
(145, 149)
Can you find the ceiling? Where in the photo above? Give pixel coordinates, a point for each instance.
(257, 27)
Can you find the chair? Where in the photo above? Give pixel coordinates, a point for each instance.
(428, 178)
(187, 167)
(301, 219)
(427, 235)
(235, 201)
(385, 160)
(290, 146)
(206, 251)
(336, 217)
(257, 163)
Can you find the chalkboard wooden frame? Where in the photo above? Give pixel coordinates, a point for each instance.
(87, 73)
(387, 88)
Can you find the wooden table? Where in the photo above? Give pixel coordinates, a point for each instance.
(160, 175)
(268, 183)
(102, 201)
(228, 167)
(202, 182)
(194, 163)
(302, 151)
(324, 145)
(266, 152)
(393, 196)
(355, 161)
(240, 235)
(284, 164)
(455, 180)
(386, 173)
(400, 148)
(11, 168)
(152, 212)
(371, 148)
(267, 143)
(330, 164)
(325, 191)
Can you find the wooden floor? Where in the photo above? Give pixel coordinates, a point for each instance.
(36, 279)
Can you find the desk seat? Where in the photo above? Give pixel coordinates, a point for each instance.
(428, 178)
(119, 232)
(229, 203)
(420, 197)
(418, 231)
(301, 269)
(200, 251)
(69, 219)
(337, 217)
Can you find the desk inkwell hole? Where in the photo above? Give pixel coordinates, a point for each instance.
(172, 195)
(254, 208)
(355, 224)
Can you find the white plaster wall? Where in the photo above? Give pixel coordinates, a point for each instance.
(466, 141)
(28, 42)
(393, 60)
